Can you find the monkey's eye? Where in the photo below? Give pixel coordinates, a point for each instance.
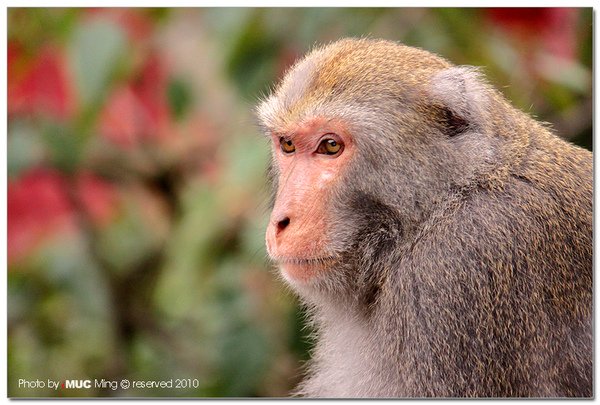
(330, 146)
(287, 146)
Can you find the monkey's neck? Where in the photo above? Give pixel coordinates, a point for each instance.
(355, 354)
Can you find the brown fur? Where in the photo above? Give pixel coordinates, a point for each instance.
(462, 230)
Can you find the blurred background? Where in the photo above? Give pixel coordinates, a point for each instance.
(136, 189)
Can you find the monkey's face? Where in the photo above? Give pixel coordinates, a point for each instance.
(308, 158)
(368, 138)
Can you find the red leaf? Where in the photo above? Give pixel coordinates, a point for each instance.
(98, 197)
(553, 29)
(122, 117)
(151, 89)
(41, 86)
(37, 206)
(139, 111)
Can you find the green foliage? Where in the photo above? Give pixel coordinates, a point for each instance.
(251, 61)
(23, 147)
(95, 50)
(64, 148)
(179, 98)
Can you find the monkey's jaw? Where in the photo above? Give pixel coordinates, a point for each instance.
(296, 273)
(303, 270)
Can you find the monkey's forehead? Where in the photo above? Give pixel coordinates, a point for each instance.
(347, 71)
(370, 62)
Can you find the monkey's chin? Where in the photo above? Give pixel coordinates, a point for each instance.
(301, 273)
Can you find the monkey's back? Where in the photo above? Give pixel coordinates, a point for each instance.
(514, 279)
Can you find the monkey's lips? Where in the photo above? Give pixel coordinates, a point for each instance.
(303, 269)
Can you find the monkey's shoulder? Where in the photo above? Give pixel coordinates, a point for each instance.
(516, 244)
(524, 214)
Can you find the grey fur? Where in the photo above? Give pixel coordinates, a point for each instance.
(463, 230)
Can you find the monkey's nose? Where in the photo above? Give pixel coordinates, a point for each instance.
(281, 225)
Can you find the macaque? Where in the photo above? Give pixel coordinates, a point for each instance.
(441, 238)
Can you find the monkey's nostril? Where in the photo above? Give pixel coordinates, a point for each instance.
(281, 225)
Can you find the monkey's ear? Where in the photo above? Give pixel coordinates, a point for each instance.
(460, 97)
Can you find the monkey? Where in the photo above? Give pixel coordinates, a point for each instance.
(440, 238)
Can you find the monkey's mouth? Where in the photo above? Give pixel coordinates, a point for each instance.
(303, 261)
